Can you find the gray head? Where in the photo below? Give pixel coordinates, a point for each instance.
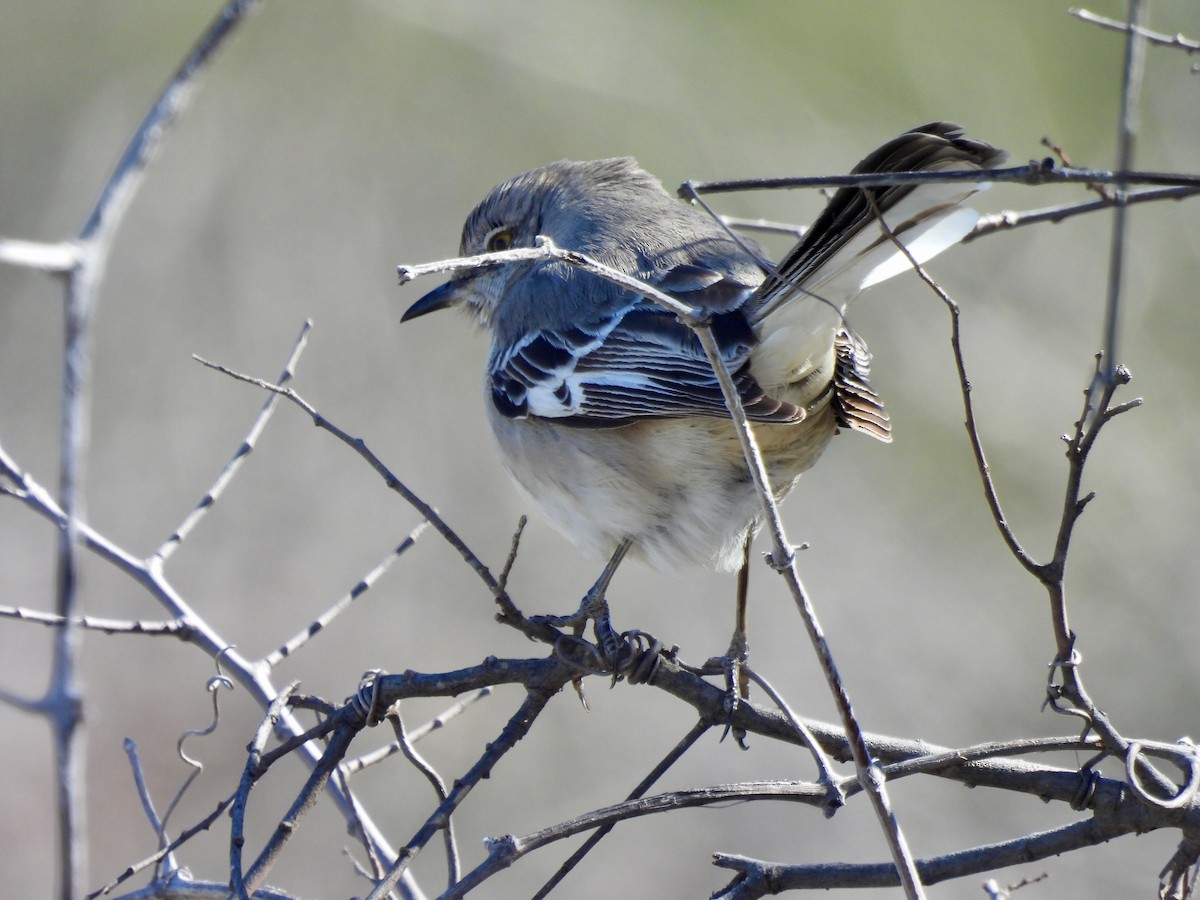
(581, 205)
(610, 209)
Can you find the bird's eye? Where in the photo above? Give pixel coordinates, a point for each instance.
(500, 239)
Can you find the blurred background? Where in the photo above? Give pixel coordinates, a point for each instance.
(331, 142)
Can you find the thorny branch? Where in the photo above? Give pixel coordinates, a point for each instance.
(1052, 574)
(1115, 810)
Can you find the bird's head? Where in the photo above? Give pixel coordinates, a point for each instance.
(582, 206)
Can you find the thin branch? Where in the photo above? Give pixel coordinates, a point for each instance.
(163, 852)
(159, 122)
(252, 771)
(676, 753)
(174, 628)
(275, 657)
(339, 742)
(509, 614)
(518, 726)
(375, 757)
(359, 446)
(764, 225)
(756, 878)
(53, 259)
(1131, 86)
(234, 465)
(506, 850)
(1051, 574)
(836, 797)
(1037, 173)
(1178, 41)
(359, 829)
(1006, 220)
(439, 787)
(64, 696)
(985, 472)
(180, 886)
(143, 791)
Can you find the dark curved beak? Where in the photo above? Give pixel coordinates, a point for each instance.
(448, 295)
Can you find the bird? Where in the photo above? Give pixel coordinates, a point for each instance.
(604, 407)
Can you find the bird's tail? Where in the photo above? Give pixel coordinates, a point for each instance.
(846, 250)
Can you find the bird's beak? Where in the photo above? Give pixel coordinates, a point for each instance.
(452, 293)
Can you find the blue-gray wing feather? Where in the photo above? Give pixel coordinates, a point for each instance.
(636, 361)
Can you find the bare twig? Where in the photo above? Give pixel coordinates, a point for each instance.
(964, 382)
(175, 629)
(518, 726)
(439, 787)
(238, 882)
(143, 791)
(764, 225)
(339, 742)
(685, 743)
(163, 852)
(1052, 574)
(318, 731)
(439, 721)
(1034, 174)
(504, 851)
(275, 657)
(756, 878)
(509, 614)
(243, 452)
(1131, 86)
(54, 259)
(1009, 219)
(836, 798)
(439, 524)
(1178, 41)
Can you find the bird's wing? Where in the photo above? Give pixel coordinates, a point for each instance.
(636, 362)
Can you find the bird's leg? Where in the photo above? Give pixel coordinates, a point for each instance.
(737, 683)
(594, 607)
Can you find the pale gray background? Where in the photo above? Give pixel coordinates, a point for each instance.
(333, 141)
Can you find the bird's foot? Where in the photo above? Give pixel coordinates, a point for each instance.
(611, 653)
(737, 682)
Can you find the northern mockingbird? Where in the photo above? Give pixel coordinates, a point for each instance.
(604, 407)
